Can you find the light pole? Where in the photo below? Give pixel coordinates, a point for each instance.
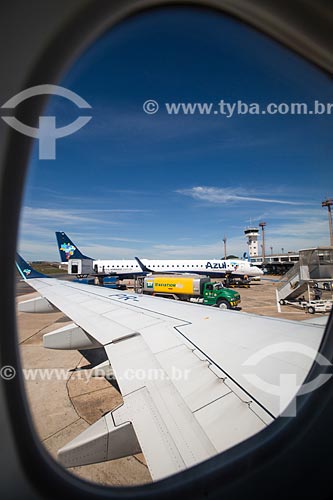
(262, 225)
(328, 203)
(271, 250)
(225, 247)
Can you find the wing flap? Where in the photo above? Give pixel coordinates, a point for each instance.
(169, 434)
(103, 440)
(228, 421)
(198, 385)
(182, 412)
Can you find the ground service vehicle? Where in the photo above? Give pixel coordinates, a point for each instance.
(311, 306)
(231, 282)
(193, 289)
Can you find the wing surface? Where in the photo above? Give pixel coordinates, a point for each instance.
(183, 371)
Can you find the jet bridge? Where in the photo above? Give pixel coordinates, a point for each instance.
(315, 265)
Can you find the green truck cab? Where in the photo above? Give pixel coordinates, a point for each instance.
(214, 294)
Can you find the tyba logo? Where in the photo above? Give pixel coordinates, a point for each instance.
(288, 386)
(47, 133)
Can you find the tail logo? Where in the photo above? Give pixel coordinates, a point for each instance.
(27, 271)
(68, 249)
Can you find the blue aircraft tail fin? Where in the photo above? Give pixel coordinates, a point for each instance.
(246, 257)
(26, 271)
(67, 249)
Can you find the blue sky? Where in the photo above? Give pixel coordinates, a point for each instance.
(171, 186)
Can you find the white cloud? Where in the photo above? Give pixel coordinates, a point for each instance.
(225, 195)
(52, 215)
(37, 225)
(288, 227)
(73, 215)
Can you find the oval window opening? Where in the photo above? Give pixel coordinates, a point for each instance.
(178, 180)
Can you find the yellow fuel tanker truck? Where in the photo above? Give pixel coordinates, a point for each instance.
(193, 289)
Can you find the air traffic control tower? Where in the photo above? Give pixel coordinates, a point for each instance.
(252, 234)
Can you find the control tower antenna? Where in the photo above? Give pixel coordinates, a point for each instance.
(328, 203)
(262, 225)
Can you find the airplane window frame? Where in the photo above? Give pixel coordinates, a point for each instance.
(226, 470)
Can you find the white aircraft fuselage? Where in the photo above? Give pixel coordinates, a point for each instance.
(214, 268)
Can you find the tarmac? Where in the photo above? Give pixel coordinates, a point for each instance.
(63, 407)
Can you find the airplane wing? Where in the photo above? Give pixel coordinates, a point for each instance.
(121, 274)
(182, 369)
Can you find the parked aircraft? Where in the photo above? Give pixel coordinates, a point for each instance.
(208, 267)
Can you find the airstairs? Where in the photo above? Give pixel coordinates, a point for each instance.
(292, 285)
(314, 264)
